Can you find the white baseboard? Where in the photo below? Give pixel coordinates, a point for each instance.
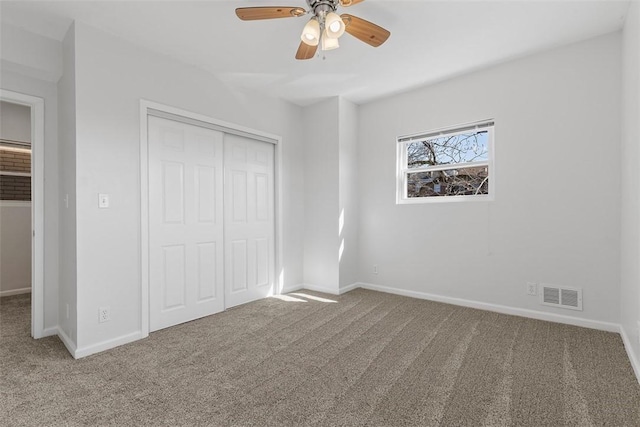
(633, 357)
(349, 288)
(523, 312)
(71, 347)
(293, 288)
(10, 292)
(323, 289)
(108, 344)
(318, 288)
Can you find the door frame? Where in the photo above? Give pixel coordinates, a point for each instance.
(161, 110)
(36, 105)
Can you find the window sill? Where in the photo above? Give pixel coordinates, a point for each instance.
(444, 199)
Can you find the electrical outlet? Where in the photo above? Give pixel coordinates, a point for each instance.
(532, 288)
(375, 268)
(104, 314)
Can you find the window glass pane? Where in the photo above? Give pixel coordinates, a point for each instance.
(452, 182)
(445, 150)
(15, 187)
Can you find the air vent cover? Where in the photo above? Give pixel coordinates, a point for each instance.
(561, 296)
(551, 295)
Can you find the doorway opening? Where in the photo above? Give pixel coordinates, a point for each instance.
(21, 202)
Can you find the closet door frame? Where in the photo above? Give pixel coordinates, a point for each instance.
(150, 108)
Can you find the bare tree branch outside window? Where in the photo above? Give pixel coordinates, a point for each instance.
(457, 150)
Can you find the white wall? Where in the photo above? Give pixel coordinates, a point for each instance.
(111, 78)
(31, 64)
(67, 307)
(29, 54)
(348, 192)
(630, 244)
(321, 176)
(15, 247)
(330, 189)
(15, 122)
(17, 82)
(555, 218)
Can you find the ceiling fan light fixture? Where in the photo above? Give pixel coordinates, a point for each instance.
(324, 28)
(334, 25)
(329, 43)
(311, 32)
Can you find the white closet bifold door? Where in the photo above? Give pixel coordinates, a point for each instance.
(186, 248)
(249, 219)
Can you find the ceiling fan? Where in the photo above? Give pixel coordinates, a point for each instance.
(325, 26)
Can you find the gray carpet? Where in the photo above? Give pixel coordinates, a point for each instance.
(369, 359)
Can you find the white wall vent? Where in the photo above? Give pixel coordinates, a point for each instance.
(561, 296)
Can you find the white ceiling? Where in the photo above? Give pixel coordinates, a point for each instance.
(430, 40)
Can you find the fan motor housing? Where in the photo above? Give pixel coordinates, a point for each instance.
(326, 6)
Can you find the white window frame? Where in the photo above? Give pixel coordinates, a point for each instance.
(403, 171)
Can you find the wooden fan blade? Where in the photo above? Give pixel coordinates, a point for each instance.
(366, 31)
(305, 51)
(255, 13)
(347, 3)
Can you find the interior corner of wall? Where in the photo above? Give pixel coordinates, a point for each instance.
(68, 342)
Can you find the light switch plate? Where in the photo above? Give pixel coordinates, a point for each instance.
(103, 201)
